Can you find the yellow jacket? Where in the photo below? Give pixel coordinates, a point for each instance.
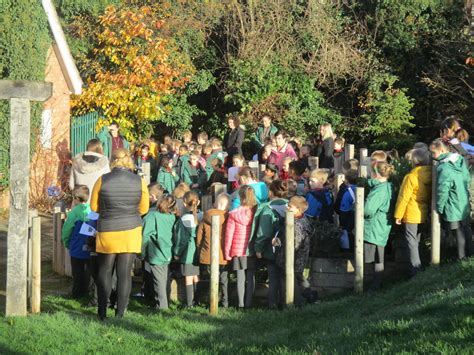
(414, 198)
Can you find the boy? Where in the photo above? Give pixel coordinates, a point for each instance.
(214, 153)
(305, 153)
(303, 232)
(338, 147)
(344, 205)
(319, 198)
(203, 241)
(452, 195)
(202, 138)
(296, 171)
(187, 137)
(183, 161)
(77, 242)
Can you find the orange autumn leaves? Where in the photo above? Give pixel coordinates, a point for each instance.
(135, 67)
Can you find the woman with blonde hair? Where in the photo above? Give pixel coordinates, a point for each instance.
(121, 198)
(325, 148)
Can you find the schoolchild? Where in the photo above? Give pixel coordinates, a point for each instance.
(167, 176)
(247, 177)
(344, 207)
(157, 246)
(296, 171)
(184, 249)
(320, 199)
(194, 175)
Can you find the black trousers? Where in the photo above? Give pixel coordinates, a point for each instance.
(80, 277)
(123, 263)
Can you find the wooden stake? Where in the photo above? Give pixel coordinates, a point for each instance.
(206, 202)
(215, 246)
(313, 163)
(146, 173)
(218, 189)
(435, 223)
(363, 171)
(338, 164)
(254, 166)
(36, 266)
(348, 152)
(290, 258)
(359, 241)
(363, 152)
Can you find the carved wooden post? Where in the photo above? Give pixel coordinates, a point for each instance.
(313, 163)
(20, 93)
(348, 152)
(359, 241)
(215, 246)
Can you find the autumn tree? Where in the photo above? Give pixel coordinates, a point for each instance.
(135, 70)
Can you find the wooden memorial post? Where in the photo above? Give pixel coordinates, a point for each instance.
(215, 246)
(20, 93)
(290, 258)
(348, 152)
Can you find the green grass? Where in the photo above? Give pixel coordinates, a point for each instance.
(432, 313)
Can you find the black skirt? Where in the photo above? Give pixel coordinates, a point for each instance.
(189, 270)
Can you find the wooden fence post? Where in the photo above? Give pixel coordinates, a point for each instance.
(338, 161)
(146, 173)
(363, 171)
(215, 246)
(338, 180)
(218, 189)
(36, 265)
(58, 248)
(31, 214)
(263, 167)
(290, 258)
(348, 152)
(435, 224)
(254, 166)
(359, 241)
(313, 163)
(206, 202)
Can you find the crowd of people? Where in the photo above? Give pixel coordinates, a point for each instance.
(115, 216)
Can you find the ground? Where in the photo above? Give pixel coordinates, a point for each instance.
(432, 313)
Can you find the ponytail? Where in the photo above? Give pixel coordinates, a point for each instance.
(191, 200)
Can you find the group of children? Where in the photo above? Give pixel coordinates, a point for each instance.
(252, 214)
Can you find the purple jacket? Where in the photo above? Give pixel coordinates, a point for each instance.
(277, 156)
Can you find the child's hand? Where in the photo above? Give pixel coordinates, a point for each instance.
(398, 221)
(259, 255)
(194, 186)
(176, 258)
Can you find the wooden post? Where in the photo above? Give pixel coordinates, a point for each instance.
(36, 266)
(363, 171)
(348, 152)
(359, 241)
(215, 246)
(338, 180)
(263, 167)
(290, 258)
(313, 163)
(254, 166)
(20, 93)
(338, 161)
(206, 202)
(218, 189)
(146, 173)
(363, 152)
(435, 223)
(31, 215)
(58, 248)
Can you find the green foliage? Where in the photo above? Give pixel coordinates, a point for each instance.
(256, 87)
(24, 41)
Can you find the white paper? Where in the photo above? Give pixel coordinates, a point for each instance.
(232, 173)
(88, 230)
(93, 216)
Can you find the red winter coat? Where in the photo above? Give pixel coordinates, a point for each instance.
(237, 234)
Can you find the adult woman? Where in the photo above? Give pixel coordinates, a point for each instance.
(87, 167)
(326, 147)
(120, 197)
(234, 139)
(266, 130)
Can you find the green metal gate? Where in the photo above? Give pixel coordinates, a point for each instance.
(82, 130)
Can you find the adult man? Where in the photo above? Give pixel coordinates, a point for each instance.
(282, 150)
(111, 139)
(267, 130)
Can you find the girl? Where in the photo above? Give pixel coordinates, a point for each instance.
(377, 223)
(184, 249)
(413, 204)
(239, 226)
(270, 218)
(193, 174)
(178, 194)
(167, 177)
(238, 162)
(326, 147)
(246, 177)
(157, 244)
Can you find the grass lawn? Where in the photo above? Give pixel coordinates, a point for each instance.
(432, 313)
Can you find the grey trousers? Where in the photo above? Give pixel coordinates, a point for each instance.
(223, 286)
(160, 283)
(245, 287)
(412, 239)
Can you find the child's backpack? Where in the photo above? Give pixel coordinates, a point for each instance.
(79, 244)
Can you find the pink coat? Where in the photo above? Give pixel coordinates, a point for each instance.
(277, 156)
(237, 234)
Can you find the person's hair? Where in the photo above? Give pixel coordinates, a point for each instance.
(165, 161)
(420, 157)
(156, 190)
(167, 140)
(180, 190)
(438, 145)
(321, 175)
(279, 188)
(298, 167)
(282, 133)
(378, 155)
(216, 142)
(183, 147)
(462, 135)
(339, 140)
(191, 200)
(238, 156)
(419, 145)
(308, 146)
(246, 172)
(95, 146)
(221, 198)
(194, 154)
(272, 167)
(266, 115)
(145, 146)
(114, 123)
(202, 135)
(351, 164)
(382, 168)
(187, 134)
(452, 123)
(247, 196)
(80, 193)
(121, 159)
(235, 119)
(292, 187)
(327, 131)
(299, 202)
(216, 163)
(392, 155)
(351, 176)
(167, 204)
(167, 147)
(207, 147)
